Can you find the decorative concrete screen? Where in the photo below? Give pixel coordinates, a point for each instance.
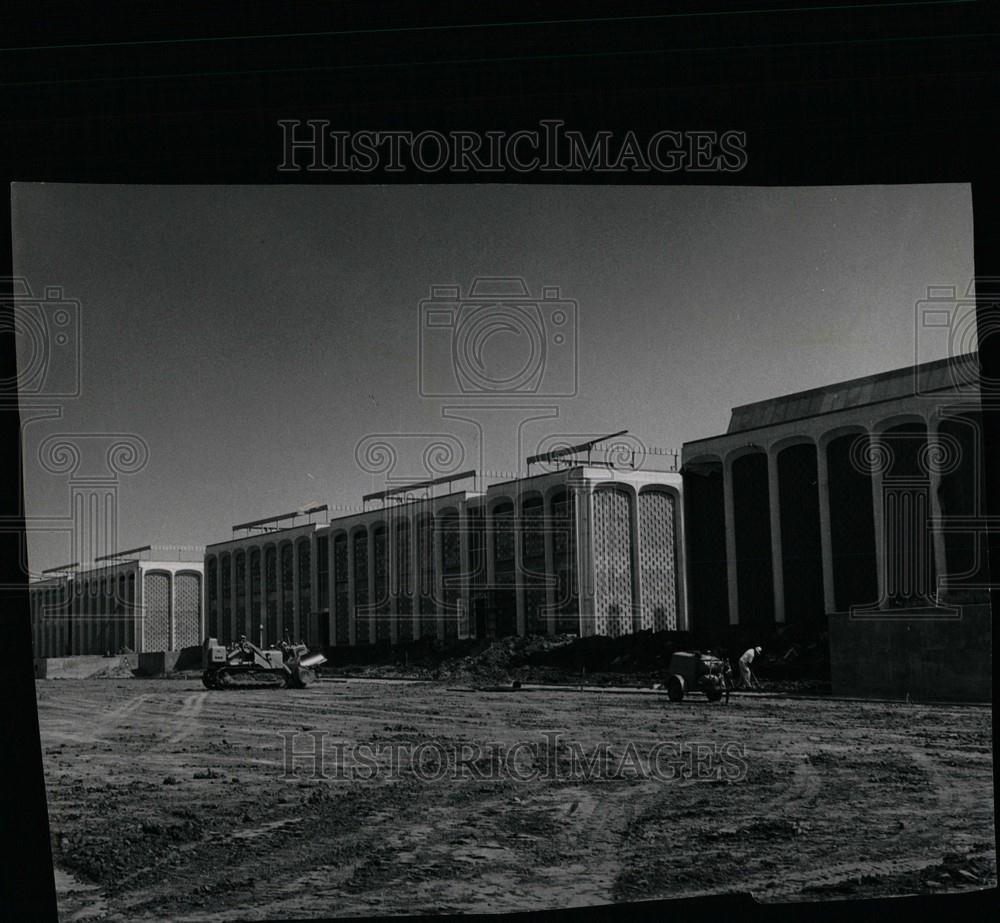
(156, 612)
(658, 560)
(612, 529)
(187, 610)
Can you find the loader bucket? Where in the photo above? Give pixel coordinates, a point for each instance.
(301, 676)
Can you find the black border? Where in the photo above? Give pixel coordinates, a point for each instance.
(864, 93)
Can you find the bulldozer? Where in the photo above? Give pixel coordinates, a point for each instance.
(243, 664)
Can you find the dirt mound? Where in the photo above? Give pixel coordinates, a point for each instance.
(117, 668)
(792, 660)
(503, 661)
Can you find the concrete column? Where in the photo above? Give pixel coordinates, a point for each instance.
(258, 630)
(296, 613)
(777, 556)
(465, 568)
(279, 578)
(247, 588)
(636, 560)
(550, 568)
(518, 526)
(172, 632)
(352, 627)
(583, 509)
(878, 514)
(681, 563)
(936, 452)
(491, 565)
(314, 583)
(392, 562)
(219, 603)
(139, 603)
(438, 577)
(825, 531)
(233, 628)
(370, 615)
(730, 514)
(332, 591)
(414, 518)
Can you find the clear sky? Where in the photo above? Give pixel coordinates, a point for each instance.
(254, 336)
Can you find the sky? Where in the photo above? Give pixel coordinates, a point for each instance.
(261, 342)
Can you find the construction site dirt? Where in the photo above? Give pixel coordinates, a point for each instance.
(167, 800)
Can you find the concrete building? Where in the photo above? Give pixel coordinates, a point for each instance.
(128, 602)
(585, 548)
(861, 496)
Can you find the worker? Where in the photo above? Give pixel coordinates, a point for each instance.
(746, 677)
(727, 676)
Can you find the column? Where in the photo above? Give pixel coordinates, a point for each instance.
(314, 582)
(825, 532)
(219, 607)
(550, 569)
(332, 592)
(438, 576)
(140, 609)
(372, 614)
(727, 492)
(352, 628)
(279, 578)
(261, 627)
(583, 510)
(296, 625)
(414, 518)
(172, 621)
(636, 560)
(518, 526)
(937, 453)
(234, 627)
(680, 557)
(247, 587)
(465, 571)
(777, 559)
(878, 513)
(491, 567)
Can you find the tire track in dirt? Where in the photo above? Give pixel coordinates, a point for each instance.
(51, 732)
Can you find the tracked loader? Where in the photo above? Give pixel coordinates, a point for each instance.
(243, 664)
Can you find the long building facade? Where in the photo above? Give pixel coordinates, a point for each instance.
(138, 605)
(866, 495)
(585, 549)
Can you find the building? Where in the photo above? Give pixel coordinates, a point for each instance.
(584, 548)
(125, 602)
(864, 496)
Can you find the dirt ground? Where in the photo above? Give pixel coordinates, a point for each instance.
(170, 801)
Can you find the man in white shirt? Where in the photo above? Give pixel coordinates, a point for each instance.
(746, 677)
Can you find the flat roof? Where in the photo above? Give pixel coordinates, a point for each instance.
(255, 535)
(596, 465)
(939, 375)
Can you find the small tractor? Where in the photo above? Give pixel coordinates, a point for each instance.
(696, 672)
(243, 664)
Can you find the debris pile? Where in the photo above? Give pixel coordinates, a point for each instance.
(791, 662)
